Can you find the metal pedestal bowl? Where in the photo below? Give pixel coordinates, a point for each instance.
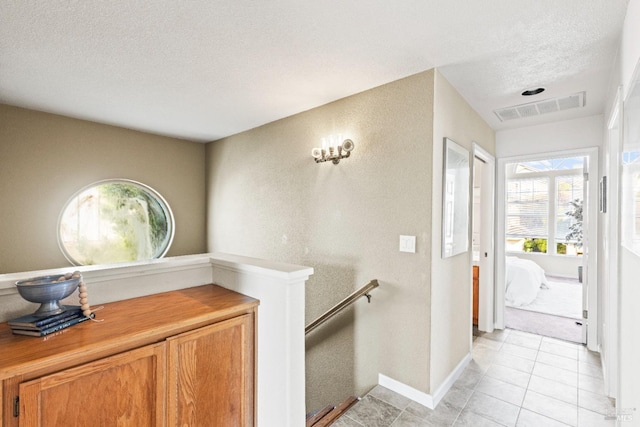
(47, 291)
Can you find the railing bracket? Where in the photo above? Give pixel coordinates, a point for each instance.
(342, 304)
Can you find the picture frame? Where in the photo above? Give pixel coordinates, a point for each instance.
(455, 199)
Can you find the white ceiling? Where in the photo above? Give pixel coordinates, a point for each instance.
(205, 69)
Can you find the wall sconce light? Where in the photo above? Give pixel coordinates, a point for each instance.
(333, 150)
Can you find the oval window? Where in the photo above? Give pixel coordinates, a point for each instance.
(115, 221)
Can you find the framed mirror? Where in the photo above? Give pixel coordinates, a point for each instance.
(455, 199)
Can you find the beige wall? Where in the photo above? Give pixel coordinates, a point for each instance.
(451, 277)
(46, 158)
(267, 198)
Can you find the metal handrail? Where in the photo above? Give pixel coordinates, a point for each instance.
(363, 291)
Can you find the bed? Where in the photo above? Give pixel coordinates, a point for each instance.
(524, 280)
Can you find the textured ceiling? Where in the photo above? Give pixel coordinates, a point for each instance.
(202, 70)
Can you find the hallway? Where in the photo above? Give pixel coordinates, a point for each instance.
(515, 379)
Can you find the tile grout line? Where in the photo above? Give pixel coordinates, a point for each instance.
(551, 397)
(578, 388)
(526, 390)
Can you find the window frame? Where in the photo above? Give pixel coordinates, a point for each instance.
(162, 202)
(552, 176)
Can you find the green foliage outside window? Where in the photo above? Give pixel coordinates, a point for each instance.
(575, 229)
(535, 245)
(115, 221)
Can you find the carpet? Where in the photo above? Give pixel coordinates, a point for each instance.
(548, 325)
(563, 298)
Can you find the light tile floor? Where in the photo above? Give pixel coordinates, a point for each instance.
(515, 379)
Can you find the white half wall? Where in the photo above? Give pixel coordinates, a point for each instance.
(281, 341)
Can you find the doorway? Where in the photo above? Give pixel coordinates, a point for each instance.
(483, 220)
(544, 253)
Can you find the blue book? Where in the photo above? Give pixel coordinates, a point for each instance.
(52, 329)
(34, 322)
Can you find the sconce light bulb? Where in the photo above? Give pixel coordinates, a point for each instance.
(316, 153)
(347, 145)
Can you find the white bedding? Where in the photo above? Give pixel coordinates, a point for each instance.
(524, 279)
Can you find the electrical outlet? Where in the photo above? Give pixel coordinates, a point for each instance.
(408, 244)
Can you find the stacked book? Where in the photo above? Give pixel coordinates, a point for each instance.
(41, 326)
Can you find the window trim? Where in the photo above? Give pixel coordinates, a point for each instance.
(552, 176)
(161, 200)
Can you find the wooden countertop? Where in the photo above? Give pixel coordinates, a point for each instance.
(127, 324)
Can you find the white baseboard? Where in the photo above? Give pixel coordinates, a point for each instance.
(425, 399)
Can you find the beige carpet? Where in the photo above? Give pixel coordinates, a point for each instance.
(563, 328)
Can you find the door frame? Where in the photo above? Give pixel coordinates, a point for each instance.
(486, 261)
(611, 242)
(592, 236)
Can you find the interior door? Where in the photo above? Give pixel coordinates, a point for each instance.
(585, 249)
(590, 295)
(485, 248)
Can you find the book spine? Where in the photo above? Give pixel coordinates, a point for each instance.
(50, 323)
(63, 325)
(66, 319)
(63, 315)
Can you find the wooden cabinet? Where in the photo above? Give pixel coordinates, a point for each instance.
(183, 358)
(121, 390)
(192, 372)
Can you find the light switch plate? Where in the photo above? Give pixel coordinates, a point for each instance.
(408, 244)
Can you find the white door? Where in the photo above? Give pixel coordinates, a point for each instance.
(485, 244)
(590, 256)
(585, 248)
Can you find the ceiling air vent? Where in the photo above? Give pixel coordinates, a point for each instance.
(545, 106)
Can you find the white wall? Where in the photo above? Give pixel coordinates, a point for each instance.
(630, 46)
(573, 134)
(629, 292)
(553, 265)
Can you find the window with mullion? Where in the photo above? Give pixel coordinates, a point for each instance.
(528, 207)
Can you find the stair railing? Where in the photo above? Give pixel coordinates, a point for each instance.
(363, 291)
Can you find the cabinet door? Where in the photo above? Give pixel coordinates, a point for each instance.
(211, 375)
(122, 390)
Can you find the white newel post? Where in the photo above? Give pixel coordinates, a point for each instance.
(281, 346)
